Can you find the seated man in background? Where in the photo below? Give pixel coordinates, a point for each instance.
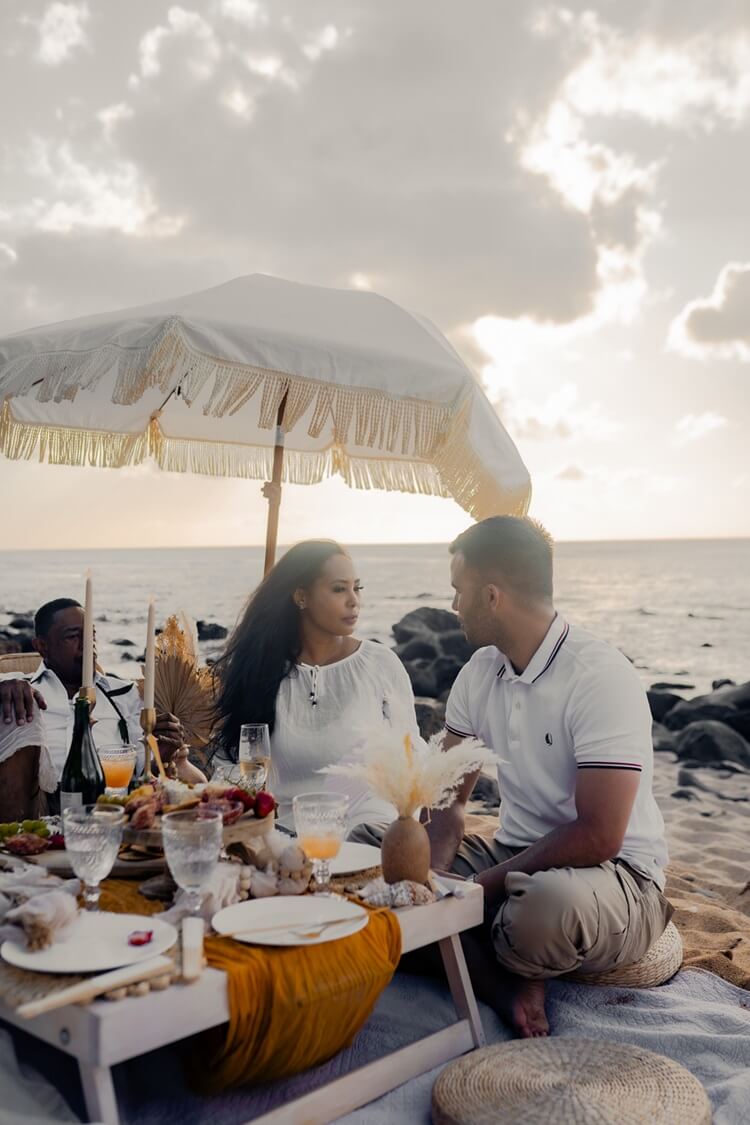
(56, 682)
(574, 874)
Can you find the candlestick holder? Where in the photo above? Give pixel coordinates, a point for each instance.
(89, 694)
(148, 722)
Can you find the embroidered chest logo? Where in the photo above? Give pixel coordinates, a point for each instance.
(548, 738)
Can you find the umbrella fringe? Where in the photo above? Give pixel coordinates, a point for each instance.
(406, 426)
(455, 472)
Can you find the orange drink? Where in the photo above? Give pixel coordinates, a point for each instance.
(320, 847)
(118, 763)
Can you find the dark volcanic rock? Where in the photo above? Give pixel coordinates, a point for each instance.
(124, 642)
(712, 743)
(446, 668)
(486, 791)
(430, 716)
(423, 678)
(663, 739)
(418, 648)
(722, 683)
(454, 643)
(661, 702)
(694, 710)
(740, 721)
(22, 623)
(426, 619)
(738, 696)
(210, 631)
(15, 642)
(669, 686)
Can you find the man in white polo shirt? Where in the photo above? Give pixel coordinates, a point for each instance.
(574, 875)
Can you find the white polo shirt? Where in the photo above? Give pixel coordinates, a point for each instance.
(113, 695)
(577, 705)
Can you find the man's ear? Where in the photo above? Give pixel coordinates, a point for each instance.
(495, 597)
(39, 645)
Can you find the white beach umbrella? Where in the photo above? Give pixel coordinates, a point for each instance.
(266, 379)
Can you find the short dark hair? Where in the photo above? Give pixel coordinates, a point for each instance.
(516, 548)
(45, 615)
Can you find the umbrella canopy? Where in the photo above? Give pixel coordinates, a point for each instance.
(360, 386)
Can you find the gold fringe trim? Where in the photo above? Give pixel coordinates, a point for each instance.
(450, 467)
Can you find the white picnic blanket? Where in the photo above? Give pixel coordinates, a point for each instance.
(697, 1019)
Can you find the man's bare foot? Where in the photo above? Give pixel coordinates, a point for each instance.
(527, 1014)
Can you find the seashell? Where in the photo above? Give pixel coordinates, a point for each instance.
(404, 893)
(263, 884)
(116, 994)
(292, 886)
(140, 989)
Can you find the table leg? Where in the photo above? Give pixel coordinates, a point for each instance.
(461, 987)
(99, 1094)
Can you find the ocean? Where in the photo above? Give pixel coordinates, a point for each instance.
(679, 609)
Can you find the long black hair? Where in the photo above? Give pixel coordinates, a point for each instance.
(265, 644)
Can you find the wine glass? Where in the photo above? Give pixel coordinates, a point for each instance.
(92, 839)
(321, 821)
(118, 763)
(192, 843)
(254, 755)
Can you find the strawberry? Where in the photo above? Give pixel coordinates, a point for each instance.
(140, 937)
(265, 804)
(238, 794)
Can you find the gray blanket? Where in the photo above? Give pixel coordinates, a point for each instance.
(697, 1019)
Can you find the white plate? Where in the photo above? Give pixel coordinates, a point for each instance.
(294, 912)
(58, 862)
(96, 942)
(355, 857)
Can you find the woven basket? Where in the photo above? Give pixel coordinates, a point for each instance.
(658, 965)
(567, 1082)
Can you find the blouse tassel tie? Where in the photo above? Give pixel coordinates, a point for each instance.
(314, 687)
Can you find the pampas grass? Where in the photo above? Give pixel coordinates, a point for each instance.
(413, 775)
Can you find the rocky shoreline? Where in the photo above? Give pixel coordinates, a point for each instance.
(708, 736)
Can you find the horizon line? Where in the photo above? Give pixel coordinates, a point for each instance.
(392, 543)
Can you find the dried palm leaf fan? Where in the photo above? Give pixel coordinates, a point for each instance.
(182, 686)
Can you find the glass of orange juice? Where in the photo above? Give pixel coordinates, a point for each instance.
(321, 820)
(118, 763)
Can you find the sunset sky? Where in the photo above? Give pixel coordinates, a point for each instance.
(562, 189)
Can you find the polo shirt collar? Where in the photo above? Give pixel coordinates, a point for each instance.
(544, 656)
(43, 670)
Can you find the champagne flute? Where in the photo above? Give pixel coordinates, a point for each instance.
(92, 839)
(254, 755)
(321, 821)
(192, 843)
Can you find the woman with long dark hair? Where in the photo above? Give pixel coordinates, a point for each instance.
(293, 662)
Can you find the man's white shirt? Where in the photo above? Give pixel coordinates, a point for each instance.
(57, 720)
(577, 705)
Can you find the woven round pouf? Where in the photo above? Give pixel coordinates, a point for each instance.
(567, 1082)
(658, 965)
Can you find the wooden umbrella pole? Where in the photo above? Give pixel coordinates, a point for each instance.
(274, 496)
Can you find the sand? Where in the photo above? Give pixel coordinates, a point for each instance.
(708, 878)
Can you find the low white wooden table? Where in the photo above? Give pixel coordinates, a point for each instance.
(103, 1034)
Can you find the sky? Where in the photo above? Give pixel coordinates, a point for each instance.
(562, 189)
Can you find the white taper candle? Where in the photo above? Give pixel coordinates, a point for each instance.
(150, 671)
(87, 673)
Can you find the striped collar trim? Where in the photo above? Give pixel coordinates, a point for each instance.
(545, 655)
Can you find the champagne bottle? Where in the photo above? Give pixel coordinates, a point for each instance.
(82, 777)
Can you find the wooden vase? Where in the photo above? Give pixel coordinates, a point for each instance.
(405, 851)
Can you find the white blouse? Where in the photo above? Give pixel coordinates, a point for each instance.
(322, 713)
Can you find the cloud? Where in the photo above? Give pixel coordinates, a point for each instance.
(561, 416)
(61, 29)
(692, 427)
(571, 473)
(717, 327)
(202, 47)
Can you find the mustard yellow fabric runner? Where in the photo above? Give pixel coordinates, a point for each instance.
(290, 1009)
